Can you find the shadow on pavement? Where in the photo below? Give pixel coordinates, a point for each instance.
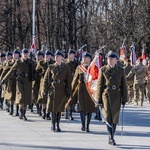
(23, 146)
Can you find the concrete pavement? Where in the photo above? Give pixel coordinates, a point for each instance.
(35, 134)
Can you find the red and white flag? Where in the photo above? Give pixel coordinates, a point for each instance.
(33, 46)
(144, 57)
(122, 51)
(91, 75)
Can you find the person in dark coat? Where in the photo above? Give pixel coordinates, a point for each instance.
(72, 63)
(24, 81)
(42, 101)
(57, 84)
(112, 92)
(85, 104)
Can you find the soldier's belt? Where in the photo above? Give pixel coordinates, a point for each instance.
(112, 87)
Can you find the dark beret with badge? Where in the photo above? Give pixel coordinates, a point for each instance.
(112, 54)
(59, 53)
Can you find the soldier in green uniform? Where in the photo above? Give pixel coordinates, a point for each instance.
(57, 84)
(112, 92)
(2, 60)
(85, 104)
(24, 81)
(36, 82)
(10, 91)
(72, 63)
(7, 86)
(16, 57)
(130, 82)
(139, 72)
(43, 101)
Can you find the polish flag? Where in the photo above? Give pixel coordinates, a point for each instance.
(33, 46)
(144, 57)
(91, 75)
(122, 51)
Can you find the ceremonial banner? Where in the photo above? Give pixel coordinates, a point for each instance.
(91, 75)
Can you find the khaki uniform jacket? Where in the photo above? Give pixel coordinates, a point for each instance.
(3, 87)
(112, 91)
(85, 103)
(10, 84)
(42, 67)
(23, 80)
(57, 83)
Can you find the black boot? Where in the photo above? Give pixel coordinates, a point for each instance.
(58, 121)
(11, 109)
(111, 140)
(1, 103)
(48, 116)
(82, 115)
(88, 121)
(71, 118)
(24, 115)
(37, 106)
(53, 121)
(31, 107)
(44, 113)
(8, 107)
(17, 110)
(67, 113)
(39, 112)
(21, 114)
(98, 115)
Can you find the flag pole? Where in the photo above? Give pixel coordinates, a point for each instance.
(33, 21)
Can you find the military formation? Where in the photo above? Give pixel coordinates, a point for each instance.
(46, 81)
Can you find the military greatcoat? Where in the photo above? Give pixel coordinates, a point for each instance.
(23, 80)
(85, 103)
(10, 91)
(112, 91)
(57, 84)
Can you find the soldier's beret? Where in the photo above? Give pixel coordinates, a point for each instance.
(59, 53)
(2, 55)
(25, 51)
(40, 53)
(8, 54)
(16, 51)
(112, 54)
(86, 54)
(71, 51)
(49, 53)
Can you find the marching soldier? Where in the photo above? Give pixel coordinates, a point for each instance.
(111, 92)
(24, 82)
(85, 104)
(2, 62)
(10, 91)
(139, 72)
(130, 82)
(72, 63)
(42, 66)
(57, 84)
(36, 83)
(6, 68)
